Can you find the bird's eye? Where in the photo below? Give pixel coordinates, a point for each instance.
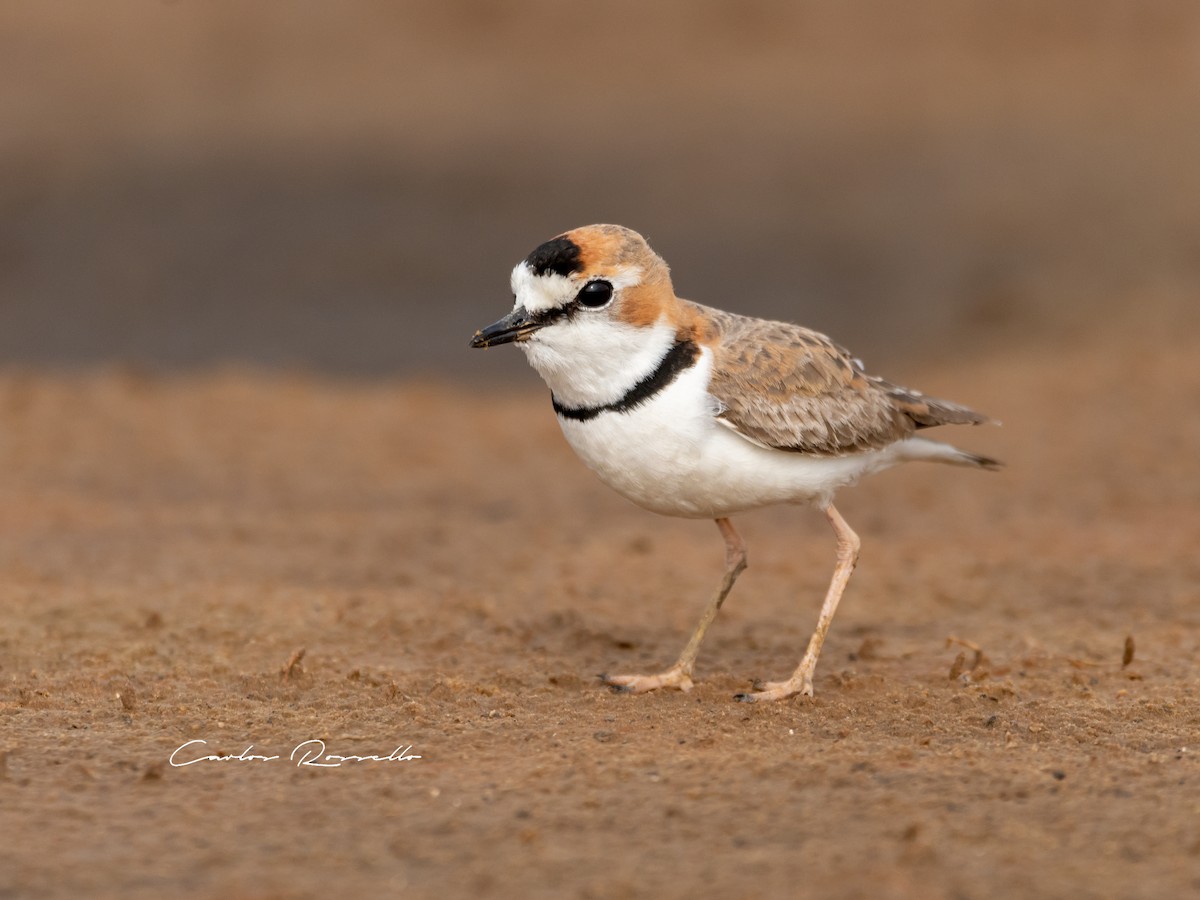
(595, 294)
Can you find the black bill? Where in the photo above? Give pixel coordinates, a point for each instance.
(516, 326)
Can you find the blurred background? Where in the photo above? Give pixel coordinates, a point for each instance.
(344, 187)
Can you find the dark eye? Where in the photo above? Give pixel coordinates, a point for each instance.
(595, 294)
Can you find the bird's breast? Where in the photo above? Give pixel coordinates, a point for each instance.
(652, 452)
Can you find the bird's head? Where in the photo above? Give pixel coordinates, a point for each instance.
(590, 306)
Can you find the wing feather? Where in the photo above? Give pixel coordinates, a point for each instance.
(790, 388)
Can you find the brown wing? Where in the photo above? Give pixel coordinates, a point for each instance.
(790, 388)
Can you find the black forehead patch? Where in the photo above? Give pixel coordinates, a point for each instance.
(560, 256)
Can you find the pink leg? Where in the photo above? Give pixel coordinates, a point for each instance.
(679, 676)
(801, 681)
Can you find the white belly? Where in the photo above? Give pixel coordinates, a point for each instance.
(669, 455)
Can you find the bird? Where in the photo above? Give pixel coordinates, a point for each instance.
(690, 411)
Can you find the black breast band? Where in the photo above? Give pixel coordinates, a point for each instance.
(681, 356)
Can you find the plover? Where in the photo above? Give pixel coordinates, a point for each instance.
(691, 411)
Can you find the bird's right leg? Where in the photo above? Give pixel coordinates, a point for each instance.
(801, 681)
(679, 676)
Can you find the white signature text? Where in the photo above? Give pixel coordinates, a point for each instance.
(308, 753)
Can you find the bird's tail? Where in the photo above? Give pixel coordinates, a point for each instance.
(934, 451)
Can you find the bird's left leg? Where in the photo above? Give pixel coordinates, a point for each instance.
(801, 681)
(679, 676)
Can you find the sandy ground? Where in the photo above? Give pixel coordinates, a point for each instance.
(455, 578)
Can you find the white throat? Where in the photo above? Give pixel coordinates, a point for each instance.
(593, 362)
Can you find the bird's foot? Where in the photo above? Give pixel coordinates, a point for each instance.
(673, 678)
(800, 683)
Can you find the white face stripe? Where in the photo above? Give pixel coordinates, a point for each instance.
(538, 293)
(626, 276)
